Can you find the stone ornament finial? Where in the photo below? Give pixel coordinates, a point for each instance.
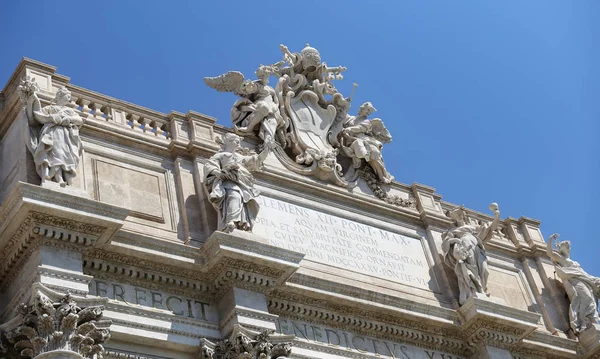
(53, 134)
(245, 344)
(582, 289)
(230, 185)
(464, 251)
(57, 326)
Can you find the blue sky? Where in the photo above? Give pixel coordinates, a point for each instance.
(486, 100)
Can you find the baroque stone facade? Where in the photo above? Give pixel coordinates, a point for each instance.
(172, 237)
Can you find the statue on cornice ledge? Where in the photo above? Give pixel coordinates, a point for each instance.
(230, 185)
(307, 118)
(53, 134)
(582, 289)
(464, 251)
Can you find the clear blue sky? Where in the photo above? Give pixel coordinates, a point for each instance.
(486, 100)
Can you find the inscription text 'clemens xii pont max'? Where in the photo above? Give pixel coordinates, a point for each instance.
(343, 243)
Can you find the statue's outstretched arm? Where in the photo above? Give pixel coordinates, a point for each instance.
(494, 225)
(549, 248)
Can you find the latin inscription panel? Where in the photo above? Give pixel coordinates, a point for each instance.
(344, 243)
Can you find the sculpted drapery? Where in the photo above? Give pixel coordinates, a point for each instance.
(53, 134)
(230, 185)
(464, 251)
(581, 288)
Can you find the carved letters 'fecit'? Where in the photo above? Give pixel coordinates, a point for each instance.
(308, 120)
(464, 251)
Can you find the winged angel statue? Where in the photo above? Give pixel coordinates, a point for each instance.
(307, 118)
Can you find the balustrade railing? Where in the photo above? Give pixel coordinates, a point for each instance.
(99, 108)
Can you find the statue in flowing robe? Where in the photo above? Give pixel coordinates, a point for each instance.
(53, 134)
(230, 185)
(362, 139)
(581, 288)
(464, 251)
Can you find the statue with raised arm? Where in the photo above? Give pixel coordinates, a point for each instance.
(230, 185)
(258, 108)
(53, 134)
(362, 139)
(464, 251)
(582, 289)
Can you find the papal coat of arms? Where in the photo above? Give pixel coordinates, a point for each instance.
(307, 118)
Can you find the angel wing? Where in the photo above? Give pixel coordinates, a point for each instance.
(229, 82)
(379, 131)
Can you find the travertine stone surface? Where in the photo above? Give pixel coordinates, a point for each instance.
(582, 288)
(464, 251)
(230, 185)
(339, 264)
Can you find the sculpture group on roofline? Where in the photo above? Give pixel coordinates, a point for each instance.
(304, 120)
(307, 119)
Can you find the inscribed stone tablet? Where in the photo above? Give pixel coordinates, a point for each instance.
(343, 243)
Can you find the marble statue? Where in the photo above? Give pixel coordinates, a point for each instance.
(363, 139)
(582, 288)
(53, 134)
(464, 251)
(230, 185)
(307, 119)
(258, 108)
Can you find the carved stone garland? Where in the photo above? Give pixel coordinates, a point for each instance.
(245, 344)
(47, 326)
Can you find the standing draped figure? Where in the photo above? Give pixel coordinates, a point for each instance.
(464, 251)
(53, 134)
(230, 185)
(582, 288)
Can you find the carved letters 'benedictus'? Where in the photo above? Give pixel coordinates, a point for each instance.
(308, 119)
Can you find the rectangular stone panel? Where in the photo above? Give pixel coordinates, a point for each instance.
(509, 287)
(130, 188)
(344, 243)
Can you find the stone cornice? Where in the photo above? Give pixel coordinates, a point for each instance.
(32, 214)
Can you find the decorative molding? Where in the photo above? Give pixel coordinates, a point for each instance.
(423, 334)
(48, 325)
(246, 344)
